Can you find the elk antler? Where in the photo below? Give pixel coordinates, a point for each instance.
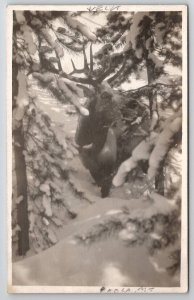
(89, 72)
(75, 70)
(88, 69)
(85, 70)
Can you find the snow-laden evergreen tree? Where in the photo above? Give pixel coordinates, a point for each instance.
(132, 126)
(40, 153)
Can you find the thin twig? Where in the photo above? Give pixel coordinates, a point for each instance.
(119, 71)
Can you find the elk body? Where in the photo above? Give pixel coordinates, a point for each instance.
(98, 141)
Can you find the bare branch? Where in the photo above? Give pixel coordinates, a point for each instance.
(119, 72)
(107, 72)
(78, 79)
(91, 59)
(149, 87)
(61, 36)
(59, 62)
(86, 69)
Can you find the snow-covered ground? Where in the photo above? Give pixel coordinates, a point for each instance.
(80, 258)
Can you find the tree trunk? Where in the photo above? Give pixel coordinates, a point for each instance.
(159, 179)
(20, 170)
(21, 179)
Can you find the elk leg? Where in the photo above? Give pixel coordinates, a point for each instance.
(106, 160)
(106, 185)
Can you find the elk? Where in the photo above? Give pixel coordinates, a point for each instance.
(99, 133)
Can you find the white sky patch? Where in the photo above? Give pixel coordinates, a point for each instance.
(133, 84)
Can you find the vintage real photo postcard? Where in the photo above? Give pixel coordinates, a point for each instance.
(97, 149)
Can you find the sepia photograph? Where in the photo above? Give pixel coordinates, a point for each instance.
(97, 149)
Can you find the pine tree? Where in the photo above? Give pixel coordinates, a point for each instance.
(38, 46)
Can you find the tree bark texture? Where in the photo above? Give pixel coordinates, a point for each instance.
(20, 171)
(159, 179)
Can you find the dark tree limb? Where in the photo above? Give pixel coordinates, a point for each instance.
(21, 176)
(21, 179)
(119, 71)
(159, 179)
